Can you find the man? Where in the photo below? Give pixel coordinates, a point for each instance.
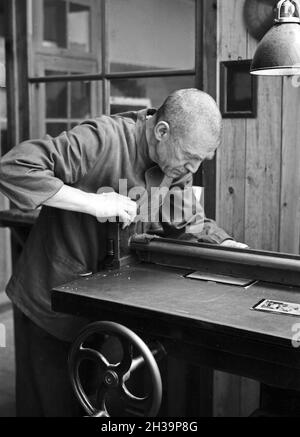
(64, 175)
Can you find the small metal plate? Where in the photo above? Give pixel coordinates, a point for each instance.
(222, 279)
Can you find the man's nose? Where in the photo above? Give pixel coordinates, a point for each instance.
(193, 167)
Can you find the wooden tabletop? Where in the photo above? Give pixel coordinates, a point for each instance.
(166, 292)
(204, 323)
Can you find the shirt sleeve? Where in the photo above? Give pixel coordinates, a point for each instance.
(183, 216)
(34, 171)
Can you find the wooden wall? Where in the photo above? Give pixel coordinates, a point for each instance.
(258, 178)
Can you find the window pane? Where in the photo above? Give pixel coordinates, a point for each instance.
(70, 102)
(151, 34)
(54, 129)
(55, 23)
(3, 103)
(135, 94)
(79, 18)
(56, 97)
(80, 100)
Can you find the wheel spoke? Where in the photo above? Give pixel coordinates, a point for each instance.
(88, 354)
(137, 363)
(134, 405)
(101, 394)
(125, 365)
(102, 413)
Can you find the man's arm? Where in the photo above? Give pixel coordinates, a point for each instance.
(34, 171)
(194, 226)
(40, 172)
(101, 206)
(212, 233)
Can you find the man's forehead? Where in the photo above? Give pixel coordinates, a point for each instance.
(204, 145)
(202, 154)
(198, 135)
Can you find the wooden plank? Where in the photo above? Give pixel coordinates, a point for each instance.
(263, 168)
(263, 173)
(176, 383)
(232, 45)
(226, 404)
(249, 396)
(17, 64)
(17, 102)
(290, 186)
(206, 79)
(97, 86)
(105, 67)
(12, 75)
(66, 63)
(235, 391)
(231, 178)
(231, 397)
(250, 390)
(232, 38)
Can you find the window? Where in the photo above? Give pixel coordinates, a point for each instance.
(62, 19)
(67, 103)
(145, 92)
(107, 56)
(151, 35)
(66, 41)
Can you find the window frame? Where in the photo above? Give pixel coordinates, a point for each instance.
(37, 29)
(38, 92)
(104, 75)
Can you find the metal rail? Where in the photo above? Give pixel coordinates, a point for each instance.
(111, 76)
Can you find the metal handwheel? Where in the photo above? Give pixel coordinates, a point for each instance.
(113, 377)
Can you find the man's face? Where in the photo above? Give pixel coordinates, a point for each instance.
(180, 156)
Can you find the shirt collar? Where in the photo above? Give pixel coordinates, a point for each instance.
(141, 139)
(154, 176)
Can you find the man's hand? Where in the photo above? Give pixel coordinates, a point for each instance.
(234, 244)
(102, 206)
(110, 205)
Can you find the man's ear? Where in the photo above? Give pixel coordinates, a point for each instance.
(161, 130)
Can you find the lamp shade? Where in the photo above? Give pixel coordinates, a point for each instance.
(278, 53)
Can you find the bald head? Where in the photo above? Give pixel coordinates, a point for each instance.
(185, 131)
(192, 112)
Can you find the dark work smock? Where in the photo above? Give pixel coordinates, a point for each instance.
(63, 244)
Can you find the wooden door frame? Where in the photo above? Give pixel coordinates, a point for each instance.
(18, 117)
(206, 80)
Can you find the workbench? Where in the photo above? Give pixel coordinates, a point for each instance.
(208, 324)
